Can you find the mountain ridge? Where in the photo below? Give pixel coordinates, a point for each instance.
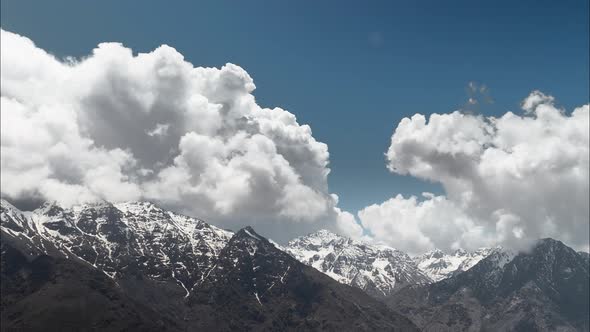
(378, 269)
(175, 268)
(545, 288)
(439, 265)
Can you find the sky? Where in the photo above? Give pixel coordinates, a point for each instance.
(352, 71)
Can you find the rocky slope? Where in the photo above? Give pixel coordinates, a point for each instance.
(47, 293)
(167, 270)
(134, 237)
(546, 289)
(254, 284)
(379, 270)
(438, 265)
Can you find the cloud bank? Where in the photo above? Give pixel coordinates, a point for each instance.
(122, 126)
(119, 126)
(508, 180)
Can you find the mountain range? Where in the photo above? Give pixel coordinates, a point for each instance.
(438, 265)
(136, 266)
(544, 289)
(378, 269)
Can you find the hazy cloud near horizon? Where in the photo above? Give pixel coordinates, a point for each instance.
(118, 126)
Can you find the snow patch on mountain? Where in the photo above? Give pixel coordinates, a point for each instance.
(377, 269)
(167, 246)
(438, 265)
(121, 238)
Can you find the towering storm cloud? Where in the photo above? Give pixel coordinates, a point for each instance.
(508, 180)
(118, 126)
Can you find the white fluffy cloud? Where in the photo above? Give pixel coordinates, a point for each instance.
(119, 126)
(508, 180)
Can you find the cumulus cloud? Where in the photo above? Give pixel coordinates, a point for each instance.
(119, 126)
(508, 180)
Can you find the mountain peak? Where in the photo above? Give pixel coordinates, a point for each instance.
(131, 236)
(460, 252)
(377, 269)
(439, 265)
(542, 289)
(324, 233)
(318, 238)
(249, 232)
(434, 253)
(137, 207)
(50, 208)
(549, 242)
(7, 205)
(187, 274)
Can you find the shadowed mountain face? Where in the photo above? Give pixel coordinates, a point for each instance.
(545, 289)
(255, 284)
(56, 294)
(134, 266)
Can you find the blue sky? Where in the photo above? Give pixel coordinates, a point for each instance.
(351, 70)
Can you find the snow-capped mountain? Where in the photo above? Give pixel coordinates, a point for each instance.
(128, 237)
(438, 265)
(543, 289)
(141, 237)
(253, 278)
(134, 266)
(379, 270)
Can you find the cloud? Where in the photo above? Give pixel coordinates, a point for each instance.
(412, 225)
(508, 180)
(159, 130)
(119, 126)
(477, 95)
